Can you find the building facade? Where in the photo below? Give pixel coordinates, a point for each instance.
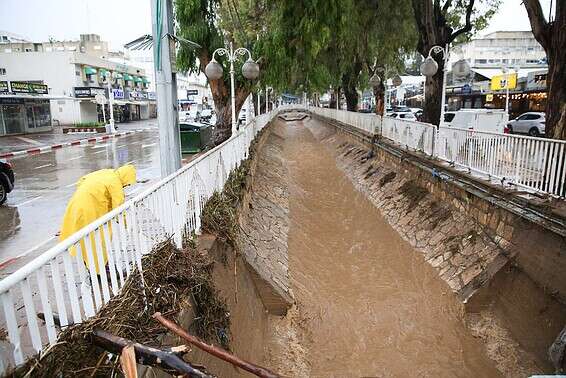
(503, 48)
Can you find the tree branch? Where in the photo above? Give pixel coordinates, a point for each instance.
(215, 351)
(539, 25)
(446, 6)
(468, 26)
(146, 355)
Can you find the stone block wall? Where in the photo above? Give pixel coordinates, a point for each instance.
(264, 224)
(466, 235)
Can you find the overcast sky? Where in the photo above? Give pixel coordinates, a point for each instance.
(120, 21)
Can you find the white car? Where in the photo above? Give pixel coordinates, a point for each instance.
(477, 119)
(403, 115)
(531, 123)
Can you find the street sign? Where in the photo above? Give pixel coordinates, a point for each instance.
(100, 99)
(192, 92)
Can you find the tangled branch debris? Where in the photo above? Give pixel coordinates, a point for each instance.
(172, 278)
(220, 213)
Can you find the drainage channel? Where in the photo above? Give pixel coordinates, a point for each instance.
(367, 304)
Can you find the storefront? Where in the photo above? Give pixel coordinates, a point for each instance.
(24, 108)
(88, 108)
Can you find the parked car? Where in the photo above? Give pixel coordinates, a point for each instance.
(403, 115)
(6, 180)
(477, 119)
(531, 123)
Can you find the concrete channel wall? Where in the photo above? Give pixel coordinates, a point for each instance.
(502, 256)
(527, 232)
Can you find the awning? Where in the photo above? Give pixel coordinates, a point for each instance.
(144, 80)
(128, 77)
(491, 72)
(103, 72)
(138, 79)
(90, 70)
(118, 75)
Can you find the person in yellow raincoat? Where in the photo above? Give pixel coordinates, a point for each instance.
(97, 193)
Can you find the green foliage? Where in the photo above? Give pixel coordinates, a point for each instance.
(483, 11)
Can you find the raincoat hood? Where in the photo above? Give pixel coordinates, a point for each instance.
(127, 174)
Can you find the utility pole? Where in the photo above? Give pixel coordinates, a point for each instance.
(166, 86)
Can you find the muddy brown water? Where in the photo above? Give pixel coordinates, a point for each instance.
(369, 305)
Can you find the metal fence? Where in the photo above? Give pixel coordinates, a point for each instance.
(535, 164)
(60, 286)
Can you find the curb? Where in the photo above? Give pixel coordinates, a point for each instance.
(40, 150)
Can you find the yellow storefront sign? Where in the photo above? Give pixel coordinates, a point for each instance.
(500, 81)
(489, 97)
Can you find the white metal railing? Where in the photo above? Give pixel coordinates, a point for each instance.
(59, 285)
(534, 164)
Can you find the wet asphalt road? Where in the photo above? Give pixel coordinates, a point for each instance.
(33, 213)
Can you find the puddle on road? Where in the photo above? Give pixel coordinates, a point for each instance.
(369, 306)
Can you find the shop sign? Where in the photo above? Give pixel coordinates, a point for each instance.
(500, 81)
(192, 92)
(88, 92)
(537, 80)
(11, 100)
(27, 87)
(135, 95)
(118, 93)
(4, 87)
(489, 97)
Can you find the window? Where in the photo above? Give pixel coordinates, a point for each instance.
(28, 49)
(531, 117)
(448, 117)
(481, 61)
(2, 71)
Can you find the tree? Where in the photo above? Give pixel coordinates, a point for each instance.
(200, 21)
(321, 43)
(440, 23)
(551, 34)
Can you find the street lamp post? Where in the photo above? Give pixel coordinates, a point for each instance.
(111, 101)
(430, 67)
(214, 71)
(267, 89)
(259, 102)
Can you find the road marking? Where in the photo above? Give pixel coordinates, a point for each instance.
(37, 246)
(43, 166)
(122, 145)
(11, 260)
(28, 201)
(100, 145)
(148, 145)
(31, 141)
(99, 152)
(75, 158)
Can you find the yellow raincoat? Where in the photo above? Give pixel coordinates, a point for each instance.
(97, 193)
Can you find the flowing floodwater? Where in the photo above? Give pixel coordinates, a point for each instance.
(369, 305)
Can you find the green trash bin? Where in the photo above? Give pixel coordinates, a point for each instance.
(194, 137)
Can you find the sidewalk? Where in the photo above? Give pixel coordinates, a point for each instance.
(14, 145)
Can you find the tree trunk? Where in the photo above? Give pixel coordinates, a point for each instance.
(379, 95)
(552, 37)
(223, 127)
(556, 87)
(433, 98)
(352, 98)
